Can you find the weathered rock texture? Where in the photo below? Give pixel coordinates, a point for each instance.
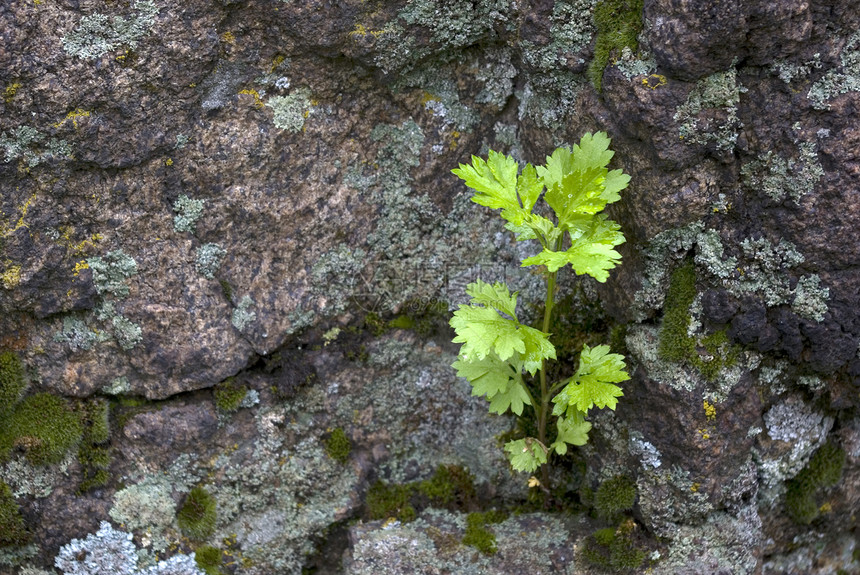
(255, 189)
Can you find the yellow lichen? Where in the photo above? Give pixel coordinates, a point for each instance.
(654, 81)
(74, 116)
(695, 487)
(228, 37)
(168, 162)
(80, 266)
(710, 410)
(10, 91)
(258, 101)
(11, 277)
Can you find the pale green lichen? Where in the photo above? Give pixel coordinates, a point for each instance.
(188, 211)
(127, 333)
(99, 34)
(291, 111)
(837, 82)
(710, 113)
(243, 316)
(779, 178)
(810, 299)
(789, 72)
(208, 259)
(78, 335)
(26, 143)
(111, 272)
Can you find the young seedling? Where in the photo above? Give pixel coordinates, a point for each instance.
(498, 352)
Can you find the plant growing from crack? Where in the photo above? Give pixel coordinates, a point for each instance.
(498, 352)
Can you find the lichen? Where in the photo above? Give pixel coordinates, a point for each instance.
(290, 111)
(99, 34)
(28, 143)
(779, 178)
(710, 113)
(111, 272)
(242, 315)
(837, 82)
(188, 211)
(208, 259)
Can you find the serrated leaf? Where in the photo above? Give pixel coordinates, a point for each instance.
(594, 381)
(570, 431)
(538, 348)
(526, 454)
(497, 296)
(529, 187)
(513, 398)
(489, 376)
(534, 226)
(495, 181)
(482, 330)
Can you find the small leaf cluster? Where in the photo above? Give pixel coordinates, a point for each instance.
(499, 352)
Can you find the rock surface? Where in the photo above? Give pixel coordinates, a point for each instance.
(256, 195)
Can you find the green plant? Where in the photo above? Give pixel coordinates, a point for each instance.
(338, 446)
(43, 426)
(498, 352)
(384, 501)
(197, 516)
(613, 549)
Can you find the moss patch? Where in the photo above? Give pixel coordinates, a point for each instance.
(823, 470)
(477, 535)
(451, 487)
(229, 395)
(12, 528)
(209, 559)
(43, 426)
(614, 496)
(710, 355)
(197, 516)
(12, 381)
(619, 23)
(614, 549)
(93, 454)
(338, 446)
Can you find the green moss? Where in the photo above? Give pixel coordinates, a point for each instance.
(226, 289)
(618, 23)
(477, 535)
(94, 456)
(12, 528)
(209, 559)
(613, 549)
(385, 501)
(338, 445)
(12, 381)
(198, 514)
(43, 426)
(615, 496)
(676, 344)
(449, 484)
(229, 395)
(823, 470)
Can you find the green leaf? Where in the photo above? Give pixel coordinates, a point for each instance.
(526, 454)
(483, 330)
(496, 296)
(591, 251)
(529, 187)
(538, 348)
(495, 181)
(513, 398)
(570, 431)
(594, 381)
(489, 376)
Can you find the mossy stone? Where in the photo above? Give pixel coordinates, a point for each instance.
(385, 501)
(823, 470)
(229, 395)
(43, 426)
(618, 23)
(209, 559)
(477, 535)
